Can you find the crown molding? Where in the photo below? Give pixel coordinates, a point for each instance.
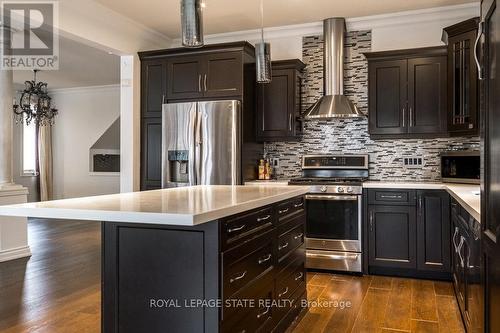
(85, 89)
(446, 13)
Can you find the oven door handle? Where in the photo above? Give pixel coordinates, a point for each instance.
(333, 256)
(332, 197)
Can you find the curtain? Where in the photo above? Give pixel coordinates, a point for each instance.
(45, 161)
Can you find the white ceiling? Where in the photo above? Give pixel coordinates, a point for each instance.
(79, 66)
(236, 15)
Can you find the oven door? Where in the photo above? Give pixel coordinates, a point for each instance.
(333, 222)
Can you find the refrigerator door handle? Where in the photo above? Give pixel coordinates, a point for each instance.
(198, 146)
(192, 149)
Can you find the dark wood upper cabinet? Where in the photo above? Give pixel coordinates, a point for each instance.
(387, 97)
(153, 87)
(427, 97)
(463, 79)
(223, 74)
(433, 231)
(185, 77)
(407, 93)
(205, 75)
(279, 102)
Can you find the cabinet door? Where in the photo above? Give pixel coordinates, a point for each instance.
(462, 87)
(223, 74)
(392, 236)
(185, 76)
(490, 209)
(153, 86)
(433, 231)
(387, 92)
(151, 154)
(427, 95)
(276, 106)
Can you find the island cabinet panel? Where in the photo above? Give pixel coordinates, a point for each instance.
(152, 273)
(409, 233)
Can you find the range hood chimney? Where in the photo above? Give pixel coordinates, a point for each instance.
(333, 104)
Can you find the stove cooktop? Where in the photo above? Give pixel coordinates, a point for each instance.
(326, 181)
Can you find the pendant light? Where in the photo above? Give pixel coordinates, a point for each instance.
(192, 23)
(263, 53)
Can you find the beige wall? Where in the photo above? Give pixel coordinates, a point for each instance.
(84, 115)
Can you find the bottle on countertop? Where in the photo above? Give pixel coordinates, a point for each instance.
(268, 170)
(262, 170)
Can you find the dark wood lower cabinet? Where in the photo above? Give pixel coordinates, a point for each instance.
(151, 137)
(433, 231)
(159, 278)
(393, 236)
(409, 233)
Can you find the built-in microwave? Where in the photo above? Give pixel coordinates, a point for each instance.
(461, 167)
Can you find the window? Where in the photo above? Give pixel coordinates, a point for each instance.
(29, 149)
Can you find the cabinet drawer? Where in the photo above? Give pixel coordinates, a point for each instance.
(290, 208)
(290, 279)
(244, 263)
(392, 197)
(237, 228)
(245, 318)
(290, 241)
(286, 315)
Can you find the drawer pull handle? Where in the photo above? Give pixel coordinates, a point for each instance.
(267, 217)
(300, 276)
(284, 246)
(284, 211)
(267, 258)
(260, 315)
(391, 196)
(236, 229)
(298, 205)
(299, 236)
(239, 277)
(283, 293)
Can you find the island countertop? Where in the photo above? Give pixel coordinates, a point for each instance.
(186, 206)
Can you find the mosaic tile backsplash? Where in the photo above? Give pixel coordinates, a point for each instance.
(350, 136)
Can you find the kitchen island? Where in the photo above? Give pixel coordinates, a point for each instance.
(196, 259)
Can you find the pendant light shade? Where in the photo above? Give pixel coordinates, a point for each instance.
(192, 23)
(263, 54)
(263, 62)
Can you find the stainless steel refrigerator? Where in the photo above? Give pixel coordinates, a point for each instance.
(201, 143)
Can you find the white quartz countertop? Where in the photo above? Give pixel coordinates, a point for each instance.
(187, 206)
(467, 195)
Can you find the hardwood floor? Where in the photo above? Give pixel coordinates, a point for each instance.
(380, 304)
(58, 291)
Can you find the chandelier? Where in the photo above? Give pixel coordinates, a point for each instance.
(34, 104)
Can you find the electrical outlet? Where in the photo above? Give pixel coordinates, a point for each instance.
(413, 161)
(275, 162)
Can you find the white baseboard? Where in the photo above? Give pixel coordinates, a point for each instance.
(16, 253)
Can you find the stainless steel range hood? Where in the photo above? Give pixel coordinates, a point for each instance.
(333, 104)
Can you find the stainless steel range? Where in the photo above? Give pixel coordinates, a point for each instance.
(334, 210)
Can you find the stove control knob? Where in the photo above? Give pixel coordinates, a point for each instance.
(349, 189)
(323, 188)
(340, 189)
